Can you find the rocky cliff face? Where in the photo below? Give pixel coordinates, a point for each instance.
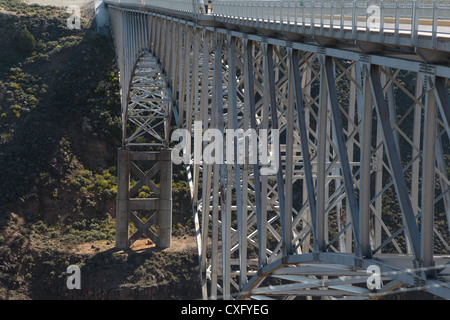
(59, 134)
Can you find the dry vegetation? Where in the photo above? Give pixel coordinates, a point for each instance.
(59, 132)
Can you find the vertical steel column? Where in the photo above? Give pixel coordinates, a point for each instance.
(170, 51)
(147, 32)
(175, 61)
(269, 79)
(243, 218)
(343, 155)
(141, 32)
(365, 166)
(250, 88)
(193, 100)
(394, 161)
(151, 32)
(319, 243)
(180, 63)
(428, 181)
(188, 74)
(287, 215)
(131, 42)
(157, 41)
(308, 216)
(217, 121)
(415, 153)
(186, 68)
(199, 115)
(356, 101)
(262, 236)
(206, 182)
(232, 124)
(304, 144)
(126, 74)
(378, 168)
(166, 46)
(233, 114)
(161, 38)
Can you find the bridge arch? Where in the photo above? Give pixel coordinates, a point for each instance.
(147, 116)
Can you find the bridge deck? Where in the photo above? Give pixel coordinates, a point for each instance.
(428, 42)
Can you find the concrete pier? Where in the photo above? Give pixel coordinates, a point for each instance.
(101, 17)
(123, 197)
(126, 204)
(165, 200)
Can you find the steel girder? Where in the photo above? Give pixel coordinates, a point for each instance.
(356, 187)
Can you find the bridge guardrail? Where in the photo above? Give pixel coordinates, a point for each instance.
(416, 17)
(191, 6)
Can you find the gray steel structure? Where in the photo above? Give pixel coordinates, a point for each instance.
(332, 86)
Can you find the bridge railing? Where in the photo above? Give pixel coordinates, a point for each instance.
(191, 6)
(395, 16)
(415, 17)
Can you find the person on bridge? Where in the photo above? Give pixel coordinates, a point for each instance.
(202, 6)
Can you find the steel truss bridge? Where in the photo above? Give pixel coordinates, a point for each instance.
(360, 101)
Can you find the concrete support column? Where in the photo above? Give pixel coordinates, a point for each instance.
(123, 196)
(165, 200)
(101, 17)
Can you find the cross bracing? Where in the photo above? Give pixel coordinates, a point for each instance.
(362, 148)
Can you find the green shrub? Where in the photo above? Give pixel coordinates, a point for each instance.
(25, 42)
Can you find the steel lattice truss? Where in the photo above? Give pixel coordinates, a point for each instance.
(150, 104)
(363, 153)
(146, 97)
